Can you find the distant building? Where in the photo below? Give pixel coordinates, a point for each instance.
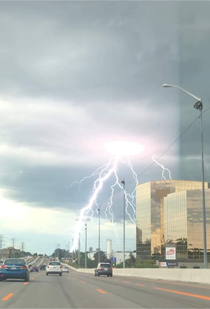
(10, 253)
(170, 211)
(109, 252)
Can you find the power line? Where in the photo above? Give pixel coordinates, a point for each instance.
(170, 145)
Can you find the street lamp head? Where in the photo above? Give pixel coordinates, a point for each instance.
(167, 85)
(198, 105)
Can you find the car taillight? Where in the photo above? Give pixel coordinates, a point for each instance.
(100, 268)
(23, 267)
(111, 268)
(48, 266)
(4, 266)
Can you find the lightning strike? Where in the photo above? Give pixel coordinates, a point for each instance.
(163, 169)
(119, 150)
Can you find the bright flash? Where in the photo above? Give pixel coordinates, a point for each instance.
(124, 149)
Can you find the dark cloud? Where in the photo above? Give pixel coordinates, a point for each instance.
(74, 75)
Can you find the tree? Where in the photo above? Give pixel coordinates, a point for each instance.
(103, 258)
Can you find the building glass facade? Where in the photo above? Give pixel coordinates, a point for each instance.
(184, 222)
(151, 216)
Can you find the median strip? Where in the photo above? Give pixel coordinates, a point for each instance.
(183, 293)
(101, 291)
(7, 297)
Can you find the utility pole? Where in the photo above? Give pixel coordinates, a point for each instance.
(57, 255)
(22, 246)
(13, 245)
(85, 245)
(99, 234)
(123, 182)
(1, 241)
(72, 250)
(79, 251)
(68, 249)
(13, 242)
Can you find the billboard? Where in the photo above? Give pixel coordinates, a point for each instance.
(170, 253)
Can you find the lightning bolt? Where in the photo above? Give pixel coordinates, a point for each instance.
(104, 172)
(87, 177)
(163, 169)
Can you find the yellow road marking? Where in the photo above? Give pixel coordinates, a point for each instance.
(183, 293)
(83, 282)
(7, 297)
(101, 291)
(140, 284)
(25, 283)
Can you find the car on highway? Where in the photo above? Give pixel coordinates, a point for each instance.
(65, 269)
(34, 269)
(43, 267)
(54, 268)
(14, 268)
(103, 269)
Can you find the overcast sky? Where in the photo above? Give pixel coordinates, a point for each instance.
(75, 75)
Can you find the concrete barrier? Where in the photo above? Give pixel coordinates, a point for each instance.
(184, 275)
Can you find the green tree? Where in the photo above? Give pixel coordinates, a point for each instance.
(103, 258)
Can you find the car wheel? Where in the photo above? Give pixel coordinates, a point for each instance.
(60, 274)
(107, 275)
(98, 274)
(27, 279)
(110, 275)
(46, 274)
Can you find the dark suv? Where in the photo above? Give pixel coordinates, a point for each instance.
(103, 269)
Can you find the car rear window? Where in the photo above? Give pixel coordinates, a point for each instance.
(14, 261)
(105, 265)
(54, 263)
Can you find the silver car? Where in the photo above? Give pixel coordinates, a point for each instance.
(54, 268)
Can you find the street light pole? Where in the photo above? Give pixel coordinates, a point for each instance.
(123, 182)
(85, 245)
(99, 234)
(199, 106)
(79, 251)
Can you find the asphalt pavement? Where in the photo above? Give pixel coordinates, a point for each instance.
(77, 290)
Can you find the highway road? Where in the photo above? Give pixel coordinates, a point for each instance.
(77, 290)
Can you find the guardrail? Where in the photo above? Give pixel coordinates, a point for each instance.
(186, 275)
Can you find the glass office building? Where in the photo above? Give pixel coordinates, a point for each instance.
(151, 215)
(184, 222)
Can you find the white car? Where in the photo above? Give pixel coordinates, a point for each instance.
(65, 269)
(54, 268)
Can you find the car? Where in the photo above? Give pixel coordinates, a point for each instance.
(14, 268)
(54, 268)
(65, 269)
(34, 269)
(103, 269)
(43, 267)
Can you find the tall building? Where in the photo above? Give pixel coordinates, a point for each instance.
(183, 212)
(153, 217)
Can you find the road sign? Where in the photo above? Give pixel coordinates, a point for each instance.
(113, 260)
